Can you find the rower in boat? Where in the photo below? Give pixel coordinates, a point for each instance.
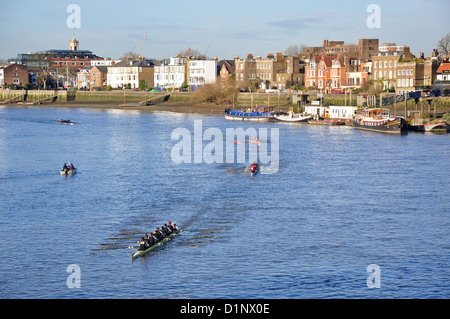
(166, 230)
(254, 167)
(159, 234)
(254, 140)
(170, 227)
(65, 167)
(152, 240)
(143, 244)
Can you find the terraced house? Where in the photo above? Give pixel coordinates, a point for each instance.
(264, 73)
(385, 64)
(171, 73)
(130, 74)
(417, 74)
(318, 71)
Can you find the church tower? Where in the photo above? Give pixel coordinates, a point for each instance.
(74, 45)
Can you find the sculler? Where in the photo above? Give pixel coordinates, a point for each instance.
(159, 235)
(254, 167)
(143, 244)
(166, 230)
(152, 240)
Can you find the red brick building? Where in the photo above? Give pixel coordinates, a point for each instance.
(98, 77)
(13, 74)
(225, 69)
(318, 72)
(70, 62)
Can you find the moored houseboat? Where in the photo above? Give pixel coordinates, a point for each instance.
(379, 120)
(259, 113)
(292, 117)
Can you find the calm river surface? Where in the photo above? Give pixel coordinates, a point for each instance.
(341, 200)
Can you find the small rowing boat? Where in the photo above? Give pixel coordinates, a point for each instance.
(67, 122)
(68, 172)
(140, 253)
(332, 122)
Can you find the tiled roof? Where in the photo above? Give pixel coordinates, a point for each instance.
(444, 67)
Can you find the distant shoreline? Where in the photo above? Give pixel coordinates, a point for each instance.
(176, 107)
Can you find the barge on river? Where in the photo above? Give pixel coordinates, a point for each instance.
(378, 120)
(259, 113)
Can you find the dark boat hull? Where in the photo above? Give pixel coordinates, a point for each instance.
(399, 126)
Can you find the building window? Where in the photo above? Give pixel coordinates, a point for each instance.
(411, 72)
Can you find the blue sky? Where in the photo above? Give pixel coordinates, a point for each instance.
(217, 28)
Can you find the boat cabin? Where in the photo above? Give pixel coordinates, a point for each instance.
(342, 112)
(375, 113)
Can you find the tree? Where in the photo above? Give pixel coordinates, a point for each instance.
(444, 45)
(130, 55)
(193, 52)
(142, 85)
(294, 49)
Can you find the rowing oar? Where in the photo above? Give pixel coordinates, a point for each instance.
(157, 244)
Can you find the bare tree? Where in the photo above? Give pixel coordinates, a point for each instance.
(444, 44)
(294, 49)
(192, 52)
(130, 55)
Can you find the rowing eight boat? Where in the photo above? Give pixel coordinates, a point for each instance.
(140, 253)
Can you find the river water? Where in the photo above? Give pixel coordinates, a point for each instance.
(339, 201)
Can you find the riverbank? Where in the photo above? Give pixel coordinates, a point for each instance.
(183, 102)
(177, 107)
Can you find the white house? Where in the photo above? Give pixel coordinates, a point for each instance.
(202, 72)
(316, 109)
(443, 73)
(103, 62)
(342, 112)
(84, 78)
(2, 75)
(129, 73)
(171, 73)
